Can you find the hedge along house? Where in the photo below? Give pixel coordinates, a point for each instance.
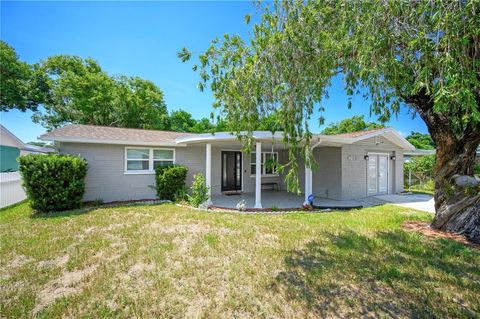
(122, 161)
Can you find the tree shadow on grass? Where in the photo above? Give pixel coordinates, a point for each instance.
(391, 274)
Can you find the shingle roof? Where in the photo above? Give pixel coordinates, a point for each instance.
(114, 135)
(75, 131)
(359, 133)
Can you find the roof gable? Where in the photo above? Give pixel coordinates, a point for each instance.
(359, 133)
(389, 133)
(9, 139)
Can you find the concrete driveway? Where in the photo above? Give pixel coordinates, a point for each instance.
(415, 201)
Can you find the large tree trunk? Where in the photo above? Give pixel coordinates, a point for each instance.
(457, 207)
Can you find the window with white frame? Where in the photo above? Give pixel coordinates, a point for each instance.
(139, 159)
(266, 156)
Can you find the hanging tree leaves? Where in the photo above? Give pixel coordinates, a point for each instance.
(424, 54)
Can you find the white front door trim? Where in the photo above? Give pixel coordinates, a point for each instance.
(377, 156)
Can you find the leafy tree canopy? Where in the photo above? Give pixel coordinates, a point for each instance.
(76, 90)
(424, 54)
(353, 124)
(79, 91)
(422, 167)
(18, 89)
(421, 141)
(182, 121)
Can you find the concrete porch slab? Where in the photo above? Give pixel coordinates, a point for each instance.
(283, 199)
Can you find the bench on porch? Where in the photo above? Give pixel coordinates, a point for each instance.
(274, 185)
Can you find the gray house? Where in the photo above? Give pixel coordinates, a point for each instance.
(121, 163)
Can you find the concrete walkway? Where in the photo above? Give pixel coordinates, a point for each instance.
(416, 201)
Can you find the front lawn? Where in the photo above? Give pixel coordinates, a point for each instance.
(167, 261)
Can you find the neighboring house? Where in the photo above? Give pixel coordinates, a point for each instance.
(121, 161)
(11, 147)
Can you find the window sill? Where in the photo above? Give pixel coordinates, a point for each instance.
(269, 175)
(139, 173)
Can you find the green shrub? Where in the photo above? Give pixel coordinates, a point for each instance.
(181, 196)
(199, 190)
(477, 169)
(170, 181)
(422, 169)
(53, 182)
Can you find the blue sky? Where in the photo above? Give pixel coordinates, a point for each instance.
(142, 39)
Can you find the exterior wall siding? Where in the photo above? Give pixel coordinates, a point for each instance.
(354, 167)
(341, 173)
(327, 179)
(249, 179)
(107, 181)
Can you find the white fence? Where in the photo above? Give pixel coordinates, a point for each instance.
(11, 190)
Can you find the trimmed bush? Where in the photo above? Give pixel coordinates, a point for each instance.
(53, 182)
(170, 181)
(199, 190)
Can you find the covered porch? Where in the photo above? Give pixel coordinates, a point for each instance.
(272, 199)
(232, 175)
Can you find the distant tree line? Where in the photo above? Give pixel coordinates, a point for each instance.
(349, 125)
(75, 90)
(421, 141)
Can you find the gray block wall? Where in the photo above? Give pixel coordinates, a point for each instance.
(327, 179)
(341, 173)
(106, 178)
(354, 167)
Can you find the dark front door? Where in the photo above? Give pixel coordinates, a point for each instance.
(231, 171)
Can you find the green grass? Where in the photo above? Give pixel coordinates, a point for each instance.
(167, 261)
(420, 191)
(419, 188)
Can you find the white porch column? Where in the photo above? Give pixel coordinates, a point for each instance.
(258, 176)
(309, 174)
(308, 179)
(208, 172)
